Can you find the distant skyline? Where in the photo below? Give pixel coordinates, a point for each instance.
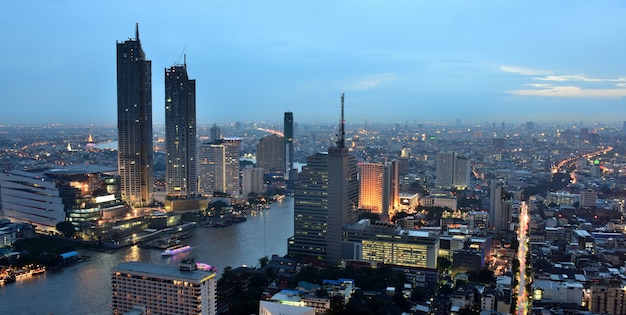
(396, 61)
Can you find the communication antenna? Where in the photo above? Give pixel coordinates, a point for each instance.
(342, 131)
(182, 55)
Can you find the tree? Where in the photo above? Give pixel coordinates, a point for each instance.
(263, 261)
(443, 263)
(66, 228)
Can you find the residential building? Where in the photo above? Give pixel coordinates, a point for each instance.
(411, 248)
(134, 123)
(162, 289)
(288, 145)
(252, 181)
(219, 167)
(270, 154)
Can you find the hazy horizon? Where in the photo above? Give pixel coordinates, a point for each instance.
(400, 61)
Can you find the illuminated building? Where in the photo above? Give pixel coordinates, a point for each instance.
(181, 169)
(411, 248)
(270, 154)
(160, 289)
(326, 197)
(219, 167)
(379, 188)
(134, 123)
(81, 194)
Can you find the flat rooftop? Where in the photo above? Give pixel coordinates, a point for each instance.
(137, 267)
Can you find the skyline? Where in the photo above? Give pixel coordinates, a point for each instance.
(402, 61)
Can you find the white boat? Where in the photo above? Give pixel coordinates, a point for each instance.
(176, 249)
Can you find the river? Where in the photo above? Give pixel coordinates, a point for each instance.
(85, 288)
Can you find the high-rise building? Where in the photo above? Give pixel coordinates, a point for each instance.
(219, 167)
(379, 184)
(216, 133)
(252, 181)
(181, 173)
(288, 149)
(134, 123)
(445, 169)
(326, 197)
(270, 154)
(452, 170)
(462, 172)
(161, 289)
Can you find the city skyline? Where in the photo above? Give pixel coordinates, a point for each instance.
(397, 62)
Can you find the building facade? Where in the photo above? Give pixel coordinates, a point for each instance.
(159, 289)
(252, 181)
(181, 169)
(219, 167)
(288, 146)
(134, 123)
(270, 154)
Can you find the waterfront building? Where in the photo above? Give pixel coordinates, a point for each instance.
(252, 181)
(270, 154)
(134, 123)
(81, 194)
(160, 289)
(326, 198)
(219, 167)
(181, 169)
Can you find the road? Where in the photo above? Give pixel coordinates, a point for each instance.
(522, 295)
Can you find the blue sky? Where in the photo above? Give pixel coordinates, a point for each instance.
(396, 61)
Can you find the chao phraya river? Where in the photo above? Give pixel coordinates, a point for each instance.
(85, 288)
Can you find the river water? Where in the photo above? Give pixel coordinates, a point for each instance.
(85, 288)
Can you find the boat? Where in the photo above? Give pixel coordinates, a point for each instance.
(176, 249)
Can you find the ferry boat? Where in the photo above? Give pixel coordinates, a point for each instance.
(176, 249)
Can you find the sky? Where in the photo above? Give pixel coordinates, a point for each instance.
(396, 61)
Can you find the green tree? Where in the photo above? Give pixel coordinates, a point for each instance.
(66, 228)
(263, 261)
(443, 263)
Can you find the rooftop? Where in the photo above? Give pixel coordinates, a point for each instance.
(162, 270)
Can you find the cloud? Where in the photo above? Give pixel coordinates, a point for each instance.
(370, 81)
(571, 91)
(577, 77)
(524, 71)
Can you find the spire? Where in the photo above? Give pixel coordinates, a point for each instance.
(341, 142)
(137, 31)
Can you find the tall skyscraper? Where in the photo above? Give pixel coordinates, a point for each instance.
(134, 122)
(288, 138)
(219, 167)
(181, 172)
(160, 289)
(270, 154)
(325, 199)
(462, 172)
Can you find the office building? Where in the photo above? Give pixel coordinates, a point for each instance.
(81, 194)
(161, 289)
(181, 167)
(497, 194)
(219, 167)
(326, 198)
(288, 148)
(134, 123)
(410, 248)
(270, 154)
(462, 172)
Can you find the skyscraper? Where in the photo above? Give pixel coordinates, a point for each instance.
(134, 122)
(215, 133)
(325, 199)
(453, 170)
(219, 167)
(288, 138)
(180, 133)
(270, 154)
